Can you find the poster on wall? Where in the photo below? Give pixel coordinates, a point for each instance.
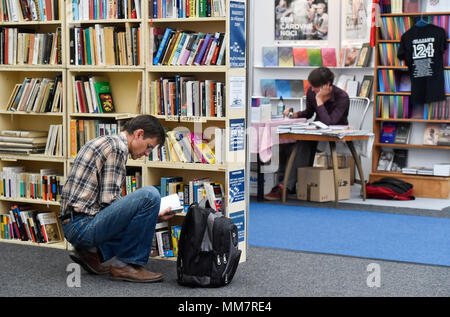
(356, 15)
(237, 34)
(301, 20)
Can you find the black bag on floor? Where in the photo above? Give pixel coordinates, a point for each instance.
(208, 253)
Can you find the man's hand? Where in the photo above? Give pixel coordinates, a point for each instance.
(323, 95)
(164, 215)
(286, 113)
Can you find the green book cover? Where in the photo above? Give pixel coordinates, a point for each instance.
(88, 46)
(104, 96)
(314, 57)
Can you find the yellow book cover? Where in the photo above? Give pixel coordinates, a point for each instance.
(176, 146)
(73, 138)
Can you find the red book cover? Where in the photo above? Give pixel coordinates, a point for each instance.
(300, 55)
(49, 10)
(328, 56)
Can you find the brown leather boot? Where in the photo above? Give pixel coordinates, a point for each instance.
(134, 273)
(89, 261)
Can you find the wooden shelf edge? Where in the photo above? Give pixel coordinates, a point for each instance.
(30, 201)
(412, 176)
(56, 245)
(420, 146)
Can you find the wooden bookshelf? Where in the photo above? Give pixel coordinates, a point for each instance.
(424, 186)
(12, 74)
(124, 80)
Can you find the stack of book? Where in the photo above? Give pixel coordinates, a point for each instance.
(393, 107)
(162, 9)
(18, 48)
(22, 142)
(429, 111)
(92, 94)
(82, 131)
(187, 96)
(105, 45)
(54, 146)
(165, 240)
(189, 147)
(390, 80)
(185, 48)
(193, 191)
(392, 28)
(16, 183)
(37, 95)
(104, 9)
(133, 181)
(23, 223)
(388, 54)
(48, 10)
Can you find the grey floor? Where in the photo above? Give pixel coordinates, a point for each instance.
(36, 271)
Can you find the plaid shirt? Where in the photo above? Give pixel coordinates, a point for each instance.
(97, 175)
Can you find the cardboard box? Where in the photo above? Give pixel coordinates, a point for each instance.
(317, 184)
(323, 159)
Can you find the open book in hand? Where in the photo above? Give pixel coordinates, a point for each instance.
(172, 201)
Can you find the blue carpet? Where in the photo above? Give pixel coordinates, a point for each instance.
(384, 236)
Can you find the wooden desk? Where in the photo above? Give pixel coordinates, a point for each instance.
(348, 139)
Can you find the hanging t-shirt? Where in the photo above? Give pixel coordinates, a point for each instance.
(422, 48)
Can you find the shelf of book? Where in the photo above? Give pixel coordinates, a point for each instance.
(424, 185)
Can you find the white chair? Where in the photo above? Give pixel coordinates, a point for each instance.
(357, 111)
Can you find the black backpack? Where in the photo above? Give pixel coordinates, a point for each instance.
(208, 253)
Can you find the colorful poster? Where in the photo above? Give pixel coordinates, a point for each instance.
(237, 34)
(237, 186)
(299, 20)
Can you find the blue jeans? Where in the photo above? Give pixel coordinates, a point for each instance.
(124, 229)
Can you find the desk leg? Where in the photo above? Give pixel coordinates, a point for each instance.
(355, 155)
(260, 182)
(287, 171)
(335, 171)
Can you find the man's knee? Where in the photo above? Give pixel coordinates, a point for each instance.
(151, 192)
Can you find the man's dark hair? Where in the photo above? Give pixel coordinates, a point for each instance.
(321, 76)
(151, 126)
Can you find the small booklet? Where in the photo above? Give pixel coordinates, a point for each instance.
(172, 201)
